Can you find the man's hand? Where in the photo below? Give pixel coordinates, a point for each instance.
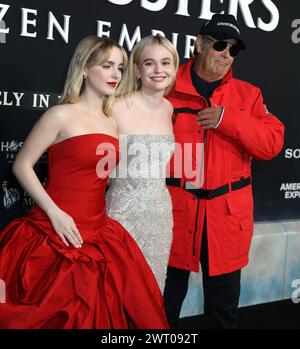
(209, 117)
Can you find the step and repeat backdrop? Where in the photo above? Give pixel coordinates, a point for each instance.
(37, 39)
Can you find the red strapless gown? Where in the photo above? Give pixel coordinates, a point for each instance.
(105, 284)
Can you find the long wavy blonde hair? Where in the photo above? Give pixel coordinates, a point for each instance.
(130, 82)
(90, 51)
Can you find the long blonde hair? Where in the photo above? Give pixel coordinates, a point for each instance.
(90, 51)
(130, 82)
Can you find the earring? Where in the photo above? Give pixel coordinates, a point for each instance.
(84, 77)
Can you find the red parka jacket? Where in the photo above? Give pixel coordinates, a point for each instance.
(247, 130)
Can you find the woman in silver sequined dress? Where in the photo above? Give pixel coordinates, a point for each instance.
(138, 197)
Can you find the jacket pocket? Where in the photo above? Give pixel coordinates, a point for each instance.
(239, 222)
(240, 201)
(180, 227)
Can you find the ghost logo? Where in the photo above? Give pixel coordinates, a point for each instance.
(11, 196)
(10, 146)
(2, 292)
(14, 146)
(10, 149)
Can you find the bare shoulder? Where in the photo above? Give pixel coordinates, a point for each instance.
(116, 108)
(120, 108)
(58, 114)
(167, 107)
(46, 130)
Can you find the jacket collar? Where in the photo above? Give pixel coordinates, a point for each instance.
(184, 81)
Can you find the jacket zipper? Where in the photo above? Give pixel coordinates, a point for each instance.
(195, 228)
(208, 104)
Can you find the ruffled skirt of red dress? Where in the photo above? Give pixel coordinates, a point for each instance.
(105, 284)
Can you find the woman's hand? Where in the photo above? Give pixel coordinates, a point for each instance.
(65, 227)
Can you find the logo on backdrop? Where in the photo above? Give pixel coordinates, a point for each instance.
(28, 100)
(292, 153)
(291, 190)
(60, 25)
(11, 149)
(11, 195)
(205, 13)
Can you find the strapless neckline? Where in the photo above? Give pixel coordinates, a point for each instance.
(83, 135)
(107, 283)
(146, 135)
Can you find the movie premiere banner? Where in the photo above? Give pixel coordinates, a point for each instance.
(37, 39)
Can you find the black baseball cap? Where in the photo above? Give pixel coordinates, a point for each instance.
(223, 27)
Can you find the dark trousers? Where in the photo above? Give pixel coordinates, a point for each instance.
(221, 293)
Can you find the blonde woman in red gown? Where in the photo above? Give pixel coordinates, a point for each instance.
(66, 264)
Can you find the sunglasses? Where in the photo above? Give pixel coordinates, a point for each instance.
(220, 45)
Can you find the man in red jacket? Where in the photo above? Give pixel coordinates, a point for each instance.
(220, 123)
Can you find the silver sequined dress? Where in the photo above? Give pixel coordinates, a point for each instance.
(139, 199)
